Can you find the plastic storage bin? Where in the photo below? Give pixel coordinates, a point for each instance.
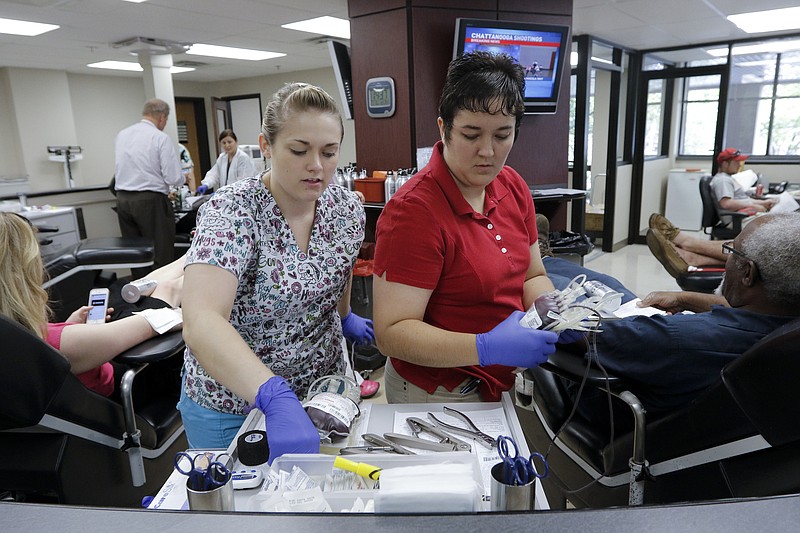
(371, 188)
(318, 465)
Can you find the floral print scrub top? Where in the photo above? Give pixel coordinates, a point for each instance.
(285, 305)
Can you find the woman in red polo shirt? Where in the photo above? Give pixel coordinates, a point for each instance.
(457, 258)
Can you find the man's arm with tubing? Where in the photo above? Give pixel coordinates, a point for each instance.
(679, 301)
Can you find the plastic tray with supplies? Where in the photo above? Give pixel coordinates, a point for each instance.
(320, 469)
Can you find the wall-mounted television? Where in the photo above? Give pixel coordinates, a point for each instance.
(541, 49)
(340, 59)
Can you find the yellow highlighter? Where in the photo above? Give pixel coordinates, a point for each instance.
(362, 469)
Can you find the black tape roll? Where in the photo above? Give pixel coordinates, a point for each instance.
(253, 448)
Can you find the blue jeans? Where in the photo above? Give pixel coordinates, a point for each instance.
(206, 428)
(561, 272)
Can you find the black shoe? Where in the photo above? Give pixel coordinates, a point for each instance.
(543, 227)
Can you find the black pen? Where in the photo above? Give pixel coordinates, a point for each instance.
(471, 386)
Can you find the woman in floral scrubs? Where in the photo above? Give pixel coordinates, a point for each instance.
(267, 281)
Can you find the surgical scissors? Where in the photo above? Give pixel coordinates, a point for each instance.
(376, 444)
(518, 470)
(205, 472)
(418, 426)
(474, 432)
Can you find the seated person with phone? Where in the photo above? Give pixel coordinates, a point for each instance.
(85, 339)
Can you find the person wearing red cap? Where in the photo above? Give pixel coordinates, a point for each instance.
(730, 193)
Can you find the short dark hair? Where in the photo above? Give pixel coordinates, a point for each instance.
(483, 83)
(227, 133)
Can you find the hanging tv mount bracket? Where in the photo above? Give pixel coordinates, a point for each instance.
(151, 46)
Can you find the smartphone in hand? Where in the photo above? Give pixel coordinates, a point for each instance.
(98, 299)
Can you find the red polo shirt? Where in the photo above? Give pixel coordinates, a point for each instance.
(428, 236)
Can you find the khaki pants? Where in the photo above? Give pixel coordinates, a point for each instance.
(398, 390)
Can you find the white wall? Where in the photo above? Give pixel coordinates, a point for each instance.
(11, 165)
(43, 111)
(622, 201)
(266, 86)
(102, 105)
(654, 188)
(41, 107)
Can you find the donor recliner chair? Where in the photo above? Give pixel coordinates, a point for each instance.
(61, 442)
(74, 270)
(740, 438)
(711, 220)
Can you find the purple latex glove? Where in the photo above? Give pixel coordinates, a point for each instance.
(202, 189)
(358, 330)
(512, 344)
(289, 430)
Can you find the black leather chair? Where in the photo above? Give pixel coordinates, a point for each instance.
(740, 438)
(712, 214)
(61, 442)
(73, 271)
(700, 281)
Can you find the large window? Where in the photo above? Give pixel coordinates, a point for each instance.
(572, 117)
(699, 115)
(764, 103)
(655, 118)
(762, 114)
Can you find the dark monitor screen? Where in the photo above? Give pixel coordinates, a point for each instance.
(340, 59)
(541, 49)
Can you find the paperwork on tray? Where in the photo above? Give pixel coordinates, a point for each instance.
(785, 204)
(746, 178)
(558, 191)
(632, 308)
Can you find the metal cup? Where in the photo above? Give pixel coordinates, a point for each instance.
(511, 497)
(218, 499)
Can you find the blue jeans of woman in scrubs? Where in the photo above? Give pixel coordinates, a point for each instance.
(206, 428)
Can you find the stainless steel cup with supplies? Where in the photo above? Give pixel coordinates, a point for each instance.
(511, 497)
(216, 499)
(514, 478)
(208, 484)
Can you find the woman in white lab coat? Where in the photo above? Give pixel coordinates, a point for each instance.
(232, 164)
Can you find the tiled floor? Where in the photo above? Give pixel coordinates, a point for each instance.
(633, 265)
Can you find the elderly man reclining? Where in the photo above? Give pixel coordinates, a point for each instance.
(670, 359)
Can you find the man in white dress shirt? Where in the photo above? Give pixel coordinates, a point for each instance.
(146, 166)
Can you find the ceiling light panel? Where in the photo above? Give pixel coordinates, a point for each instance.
(133, 67)
(23, 27)
(211, 50)
(332, 26)
(764, 21)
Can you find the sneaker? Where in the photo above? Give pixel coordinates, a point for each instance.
(543, 228)
(663, 250)
(662, 224)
